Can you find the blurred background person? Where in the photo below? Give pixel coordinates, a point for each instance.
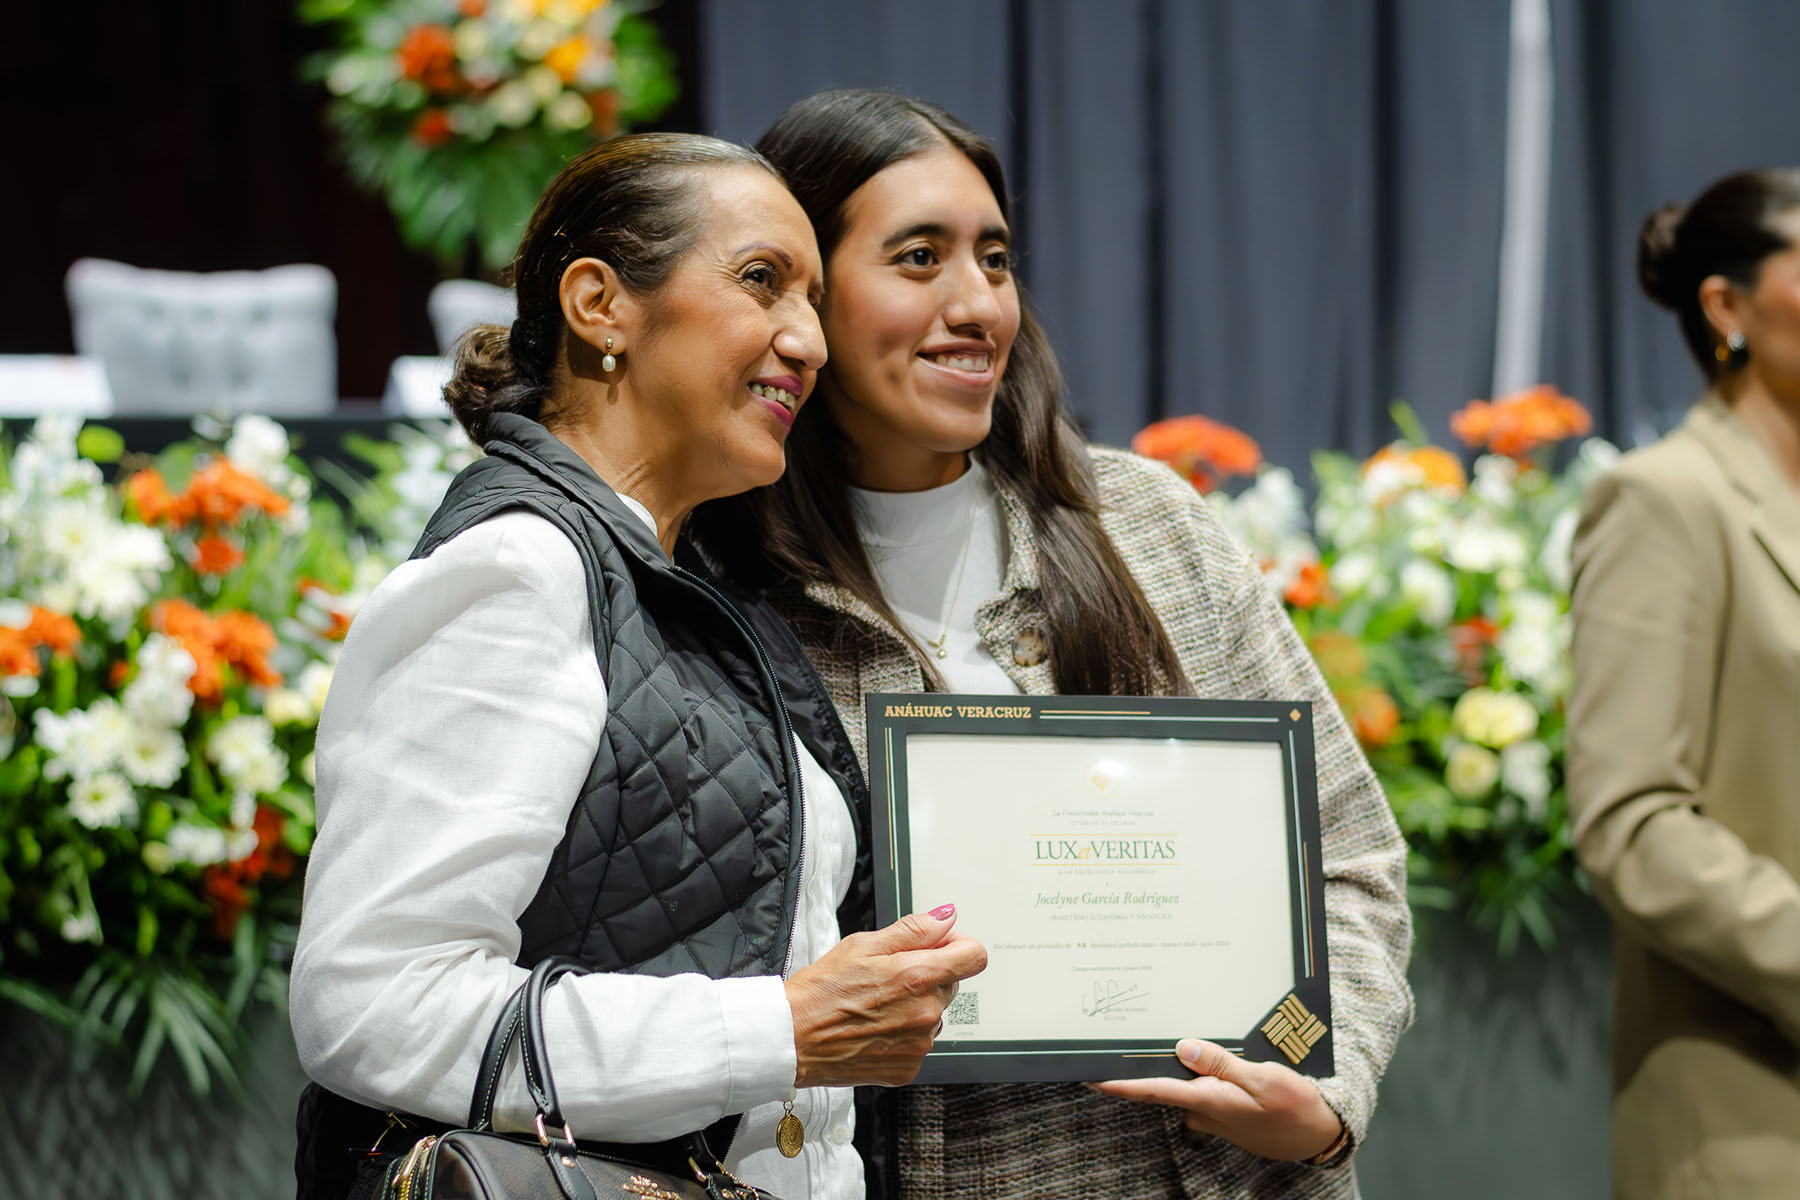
(1684, 764)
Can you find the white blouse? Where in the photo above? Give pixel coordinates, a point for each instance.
(919, 543)
(465, 712)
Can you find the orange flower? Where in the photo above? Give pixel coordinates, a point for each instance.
(1374, 717)
(245, 641)
(219, 494)
(566, 58)
(1470, 639)
(605, 106)
(1340, 656)
(214, 555)
(1518, 424)
(472, 8)
(432, 128)
(43, 630)
(227, 896)
(1310, 587)
(151, 497)
(54, 630)
(1440, 468)
(428, 54)
(1199, 448)
(18, 655)
(238, 639)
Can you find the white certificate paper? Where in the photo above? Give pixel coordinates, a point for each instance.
(1130, 890)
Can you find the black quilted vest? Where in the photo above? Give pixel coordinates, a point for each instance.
(679, 855)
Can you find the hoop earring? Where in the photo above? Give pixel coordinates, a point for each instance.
(607, 361)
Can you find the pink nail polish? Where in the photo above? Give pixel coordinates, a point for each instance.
(943, 912)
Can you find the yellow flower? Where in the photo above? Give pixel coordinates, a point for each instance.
(566, 57)
(1496, 719)
(1472, 771)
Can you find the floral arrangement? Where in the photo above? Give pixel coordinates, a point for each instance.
(459, 112)
(166, 644)
(1435, 601)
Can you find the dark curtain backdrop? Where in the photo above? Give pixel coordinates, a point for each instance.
(1280, 213)
(1654, 101)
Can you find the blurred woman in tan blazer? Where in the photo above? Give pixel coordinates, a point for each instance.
(1684, 721)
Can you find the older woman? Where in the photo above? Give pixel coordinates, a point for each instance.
(545, 737)
(942, 526)
(1684, 768)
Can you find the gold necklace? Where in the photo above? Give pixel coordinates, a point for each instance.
(938, 644)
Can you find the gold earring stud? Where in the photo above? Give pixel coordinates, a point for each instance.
(607, 361)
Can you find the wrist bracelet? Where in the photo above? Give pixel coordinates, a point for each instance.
(1338, 1145)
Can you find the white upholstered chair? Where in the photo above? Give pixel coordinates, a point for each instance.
(181, 341)
(456, 304)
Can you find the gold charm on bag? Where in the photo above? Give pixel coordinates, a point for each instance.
(790, 1135)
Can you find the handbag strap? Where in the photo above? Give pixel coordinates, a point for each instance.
(522, 1018)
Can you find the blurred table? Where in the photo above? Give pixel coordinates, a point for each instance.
(64, 383)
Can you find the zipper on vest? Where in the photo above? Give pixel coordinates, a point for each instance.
(797, 798)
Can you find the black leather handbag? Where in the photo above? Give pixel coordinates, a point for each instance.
(478, 1164)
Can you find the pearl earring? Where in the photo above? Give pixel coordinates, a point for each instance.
(607, 361)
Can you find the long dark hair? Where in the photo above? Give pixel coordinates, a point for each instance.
(1104, 637)
(1727, 231)
(633, 202)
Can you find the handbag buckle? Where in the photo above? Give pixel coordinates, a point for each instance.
(544, 1136)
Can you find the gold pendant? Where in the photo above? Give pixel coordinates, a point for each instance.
(790, 1135)
(943, 653)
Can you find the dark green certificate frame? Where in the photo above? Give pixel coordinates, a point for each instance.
(1108, 840)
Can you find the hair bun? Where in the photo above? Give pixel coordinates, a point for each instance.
(1656, 255)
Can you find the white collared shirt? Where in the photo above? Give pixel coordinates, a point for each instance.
(464, 714)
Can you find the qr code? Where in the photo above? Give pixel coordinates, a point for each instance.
(964, 1010)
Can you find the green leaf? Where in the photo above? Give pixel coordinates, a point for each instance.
(100, 444)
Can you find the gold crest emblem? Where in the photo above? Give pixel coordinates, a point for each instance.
(1103, 778)
(1293, 1029)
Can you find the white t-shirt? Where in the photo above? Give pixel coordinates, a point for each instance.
(445, 781)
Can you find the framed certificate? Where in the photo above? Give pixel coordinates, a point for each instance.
(1140, 871)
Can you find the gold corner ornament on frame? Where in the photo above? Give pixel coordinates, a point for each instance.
(1293, 1030)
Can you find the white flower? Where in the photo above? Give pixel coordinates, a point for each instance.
(158, 857)
(81, 927)
(569, 111)
(1472, 771)
(196, 845)
(1554, 557)
(1597, 454)
(512, 103)
(309, 770)
(314, 684)
(244, 749)
(1525, 771)
(1354, 572)
(285, 706)
(1429, 589)
(1495, 479)
(153, 755)
(102, 800)
(84, 742)
(1389, 476)
(159, 694)
(14, 614)
(1533, 654)
(1478, 545)
(240, 843)
(1493, 718)
(259, 446)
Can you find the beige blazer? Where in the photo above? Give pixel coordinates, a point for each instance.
(1684, 790)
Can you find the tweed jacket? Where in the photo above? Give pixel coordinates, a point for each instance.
(1684, 786)
(1234, 641)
